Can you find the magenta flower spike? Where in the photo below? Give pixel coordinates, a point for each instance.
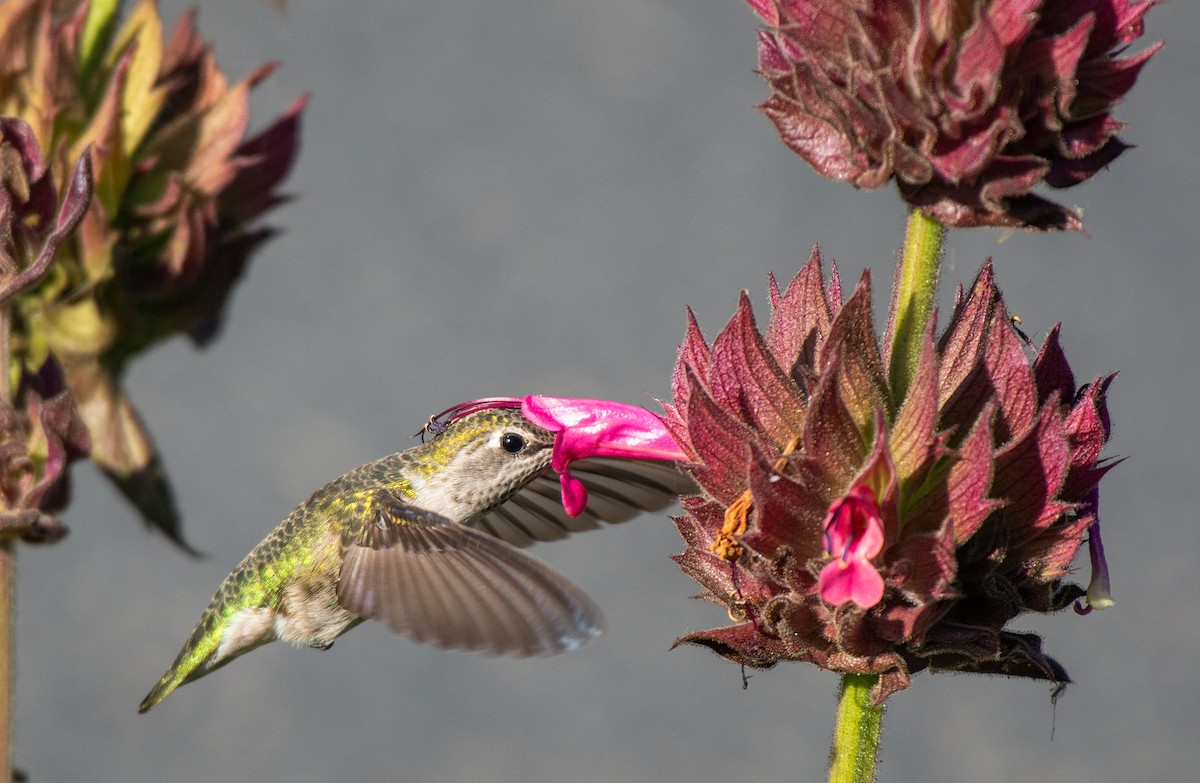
(597, 428)
(872, 530)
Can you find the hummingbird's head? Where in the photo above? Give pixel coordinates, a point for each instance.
(477, 461)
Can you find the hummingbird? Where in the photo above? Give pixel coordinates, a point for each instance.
(427, 541)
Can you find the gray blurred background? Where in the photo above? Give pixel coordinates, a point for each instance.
(505, 198)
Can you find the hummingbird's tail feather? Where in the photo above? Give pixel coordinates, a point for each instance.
(204, 652)
(447, 585)
(188, 665)
(169, 682)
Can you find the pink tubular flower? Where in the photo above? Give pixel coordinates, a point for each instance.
(597, 428)
(968, 105)
(853, 535)
(873, 530)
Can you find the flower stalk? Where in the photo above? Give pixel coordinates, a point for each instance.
(8, 580)
(916, 290)
(856, 734)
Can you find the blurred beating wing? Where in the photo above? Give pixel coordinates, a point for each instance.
(618, 489)
(444, 584)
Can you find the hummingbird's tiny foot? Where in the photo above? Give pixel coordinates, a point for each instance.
(325, 646)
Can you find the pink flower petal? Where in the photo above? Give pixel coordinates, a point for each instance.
(601, 428)
(574, 494)
(856, 581)
(853, 534)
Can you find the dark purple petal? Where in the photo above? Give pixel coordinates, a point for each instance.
(740, 643)
(266, 160)
(744, 377)
(832, 437)
(787, 514)
(862, 380)
(800, 319)
(913, 443)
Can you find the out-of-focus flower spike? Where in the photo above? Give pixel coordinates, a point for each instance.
(74, 203)
(167, 234)
(969, 107)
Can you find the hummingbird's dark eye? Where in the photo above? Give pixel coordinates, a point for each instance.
(512, 443)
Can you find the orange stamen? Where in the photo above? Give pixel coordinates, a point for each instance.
(726, 545)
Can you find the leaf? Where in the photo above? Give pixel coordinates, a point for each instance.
(141, 99)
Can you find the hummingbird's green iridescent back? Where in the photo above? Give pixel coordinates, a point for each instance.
(393, 540)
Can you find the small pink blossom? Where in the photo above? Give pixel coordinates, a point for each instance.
(853, 535)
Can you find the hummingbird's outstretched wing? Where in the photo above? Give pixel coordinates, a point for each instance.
(618, 489)
(444, 584)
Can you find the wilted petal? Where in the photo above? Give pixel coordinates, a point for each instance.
(739, 643)
(1099, 590)
(124, 449)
